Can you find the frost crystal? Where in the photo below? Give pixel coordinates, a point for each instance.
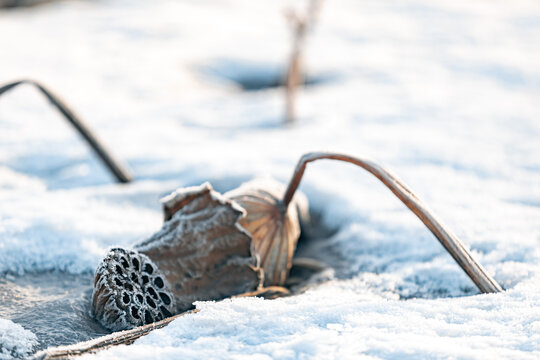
(129, 291)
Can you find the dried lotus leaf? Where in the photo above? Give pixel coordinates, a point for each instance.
(201, 248)
(275, 228)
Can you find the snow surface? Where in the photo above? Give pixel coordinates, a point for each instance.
(14, 340)
(444, 93)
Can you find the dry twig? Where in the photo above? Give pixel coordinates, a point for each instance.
(119, 170)
(118, 338)
(294, 77)
(449, 241)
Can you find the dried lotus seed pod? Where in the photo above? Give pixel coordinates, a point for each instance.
(129, 291)
(275, 228)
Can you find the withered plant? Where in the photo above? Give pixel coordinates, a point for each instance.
(200, 253)
(301, 24)
(475, 271)
(213, 246)
(273, 222)
(120, 171)
(275, 228)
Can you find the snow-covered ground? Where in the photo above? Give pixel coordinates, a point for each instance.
(444, 93)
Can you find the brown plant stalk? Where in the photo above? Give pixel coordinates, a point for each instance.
(448, 240)
(118, 338)
(294, 76)
(119, 170)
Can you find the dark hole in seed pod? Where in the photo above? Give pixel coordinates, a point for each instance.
(128, 287)
(144, 279)
(150, 302)
(148, 268)
(134, 312)
(135, 264)
(165, 298)
(166, 313)
(119, 270)
(124, 263)
(159, 317)
(159, 282)
(125, 298)
(152, 292)
(133, 277)
(117, 282)
(147, 317)
(140, 298)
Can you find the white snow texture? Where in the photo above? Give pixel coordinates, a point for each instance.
(14, 340)
(444, 93)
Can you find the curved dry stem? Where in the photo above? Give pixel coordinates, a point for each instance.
(449, 241)
(119, 170)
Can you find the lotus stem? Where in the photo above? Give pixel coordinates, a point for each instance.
(118, 338)
(119, 170)
(448, 240)
(294, 76)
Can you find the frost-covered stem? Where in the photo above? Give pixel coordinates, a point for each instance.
(118, 338)
(119, 170)
(449, 241)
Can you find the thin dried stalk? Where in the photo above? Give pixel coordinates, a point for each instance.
(119, 170)
(301, 24)
(449, 241)
(118, 338)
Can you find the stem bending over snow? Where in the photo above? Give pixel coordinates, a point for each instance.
(120, 171)
(118, 338)
(449, 241)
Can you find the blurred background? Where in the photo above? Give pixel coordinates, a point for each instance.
(409, 78)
